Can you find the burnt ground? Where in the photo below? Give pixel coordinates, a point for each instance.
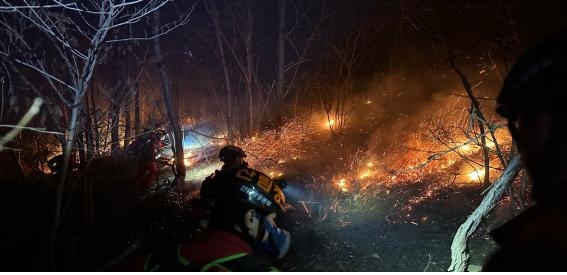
(381, 238)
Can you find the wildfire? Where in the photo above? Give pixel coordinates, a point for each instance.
(186, 158)
(328, 123)
(429, 157)
(342, 185)
(364, 175)
(271, 149)
(476, 175)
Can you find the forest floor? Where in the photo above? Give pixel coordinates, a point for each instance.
(376, 235)
(377, 240)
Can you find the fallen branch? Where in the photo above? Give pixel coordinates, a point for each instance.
(459, 249)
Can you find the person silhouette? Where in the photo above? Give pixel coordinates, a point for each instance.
(531, 100)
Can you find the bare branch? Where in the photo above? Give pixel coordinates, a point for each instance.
(25, 120)
(39, 130)
(165, 29)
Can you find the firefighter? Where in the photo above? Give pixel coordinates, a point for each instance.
(532, 101)
(233, 158)
(242, 235)
(150, 145)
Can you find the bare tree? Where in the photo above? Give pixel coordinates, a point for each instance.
(213, 12)
(473, 38)
(237, 26)
(339, 65)
(74, 33)
(171, 111)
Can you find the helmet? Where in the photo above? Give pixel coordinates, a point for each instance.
(536, 81)
(248, 188)
(231, 152)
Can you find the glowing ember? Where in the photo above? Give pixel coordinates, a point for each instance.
(476, 175)
(342, 185)
(364, 175)
(328, 124)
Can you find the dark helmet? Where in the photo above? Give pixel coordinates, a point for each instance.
(537, 79)
(230, 152)
(248, 188)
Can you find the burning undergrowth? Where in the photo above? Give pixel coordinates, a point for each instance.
(440, 154)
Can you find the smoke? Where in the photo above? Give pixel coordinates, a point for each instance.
(405, 105)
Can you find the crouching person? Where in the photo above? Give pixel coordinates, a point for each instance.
(242, 234)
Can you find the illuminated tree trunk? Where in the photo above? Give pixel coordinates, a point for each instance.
(459, 249)
(171, 113)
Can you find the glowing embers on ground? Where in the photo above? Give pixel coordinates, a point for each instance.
(476, 175)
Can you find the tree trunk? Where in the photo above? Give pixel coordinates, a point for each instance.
(281, 50)
(88, 129)
(171, 113)
(127, 125)
(459, 249)
(137, 119)
(212, 9)
(95, 138)
(249, 67)
(115, 119)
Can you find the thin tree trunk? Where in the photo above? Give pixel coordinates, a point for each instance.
(281, 50)
(459, 248)
(88, 129)
(115, 119)
(480, 120)
(80, 84)
(227, 83)
(249, 67)
(127, 125)
(95, 138)
(137, 119)
(171, 113)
